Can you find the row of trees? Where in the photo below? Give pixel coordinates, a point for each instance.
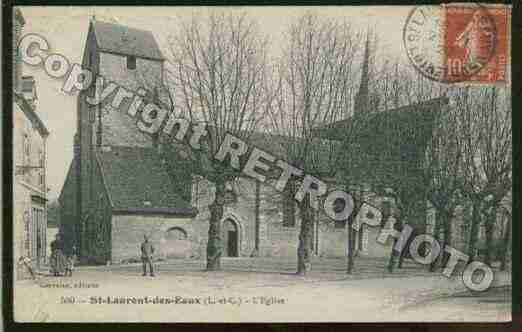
(219, 71)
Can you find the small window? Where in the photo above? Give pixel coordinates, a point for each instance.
(27, 145)
(131, 62)
(27, 86)
(339, 223)
(338, 206)
(41, 158)
(176, 233)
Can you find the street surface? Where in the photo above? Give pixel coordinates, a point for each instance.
(259, 289)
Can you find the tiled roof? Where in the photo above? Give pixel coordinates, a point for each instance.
(137, 182)
(278, 145)
(401, 117)
(120, 129)
(70, 179)
(121, 39)
(387, 147)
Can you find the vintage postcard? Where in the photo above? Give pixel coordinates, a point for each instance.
(262, 164)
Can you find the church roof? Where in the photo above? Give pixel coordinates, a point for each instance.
(317, 160)
(387, 147)
(137, 182)
(116, 38)
(70, 179)
(389, 121)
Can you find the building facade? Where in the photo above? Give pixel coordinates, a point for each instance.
(122, 184)
(29, 167)
(117, 188)
(259, 221)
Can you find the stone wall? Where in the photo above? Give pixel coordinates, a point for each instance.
(147, 74)
(275, 238)
(118, 128)
(128, 230)
(240, 209)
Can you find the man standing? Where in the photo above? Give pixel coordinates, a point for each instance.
(146, 256)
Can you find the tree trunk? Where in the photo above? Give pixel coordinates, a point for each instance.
(360, 239)
(407, 214)
(405, 250)
(490, 226)
(257, 221)
(351, 247)
(394, 254)
(214, 246)
(304, 250)
(506, 245)
(474, 231)
(436, 235)
(448, 236)
(402, 255)
(351, 234)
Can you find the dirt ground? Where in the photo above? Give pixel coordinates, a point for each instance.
(258, 290)
(491, 305)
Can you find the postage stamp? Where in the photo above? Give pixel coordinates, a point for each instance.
(259, 164)
(468, 43)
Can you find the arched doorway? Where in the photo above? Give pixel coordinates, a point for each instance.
(176, 243)
(230, 238)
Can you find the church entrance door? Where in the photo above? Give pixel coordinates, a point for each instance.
(230, 238)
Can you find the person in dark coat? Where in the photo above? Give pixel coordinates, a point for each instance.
(146, 256)
(71, 259)
(58, 260)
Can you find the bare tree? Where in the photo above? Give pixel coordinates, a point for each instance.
(486, 128)
(314, 89)
(506, 234)
(442, 172)
(401, 179)
(218, 72)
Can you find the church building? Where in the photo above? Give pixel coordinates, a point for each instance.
(121, 186)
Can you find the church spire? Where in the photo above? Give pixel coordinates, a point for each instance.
(362, 97)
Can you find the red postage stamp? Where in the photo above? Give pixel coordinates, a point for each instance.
(453, 43)
(476, 43)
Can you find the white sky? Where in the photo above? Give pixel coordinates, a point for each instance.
(65, 28)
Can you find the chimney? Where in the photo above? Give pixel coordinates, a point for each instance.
(29, 90)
